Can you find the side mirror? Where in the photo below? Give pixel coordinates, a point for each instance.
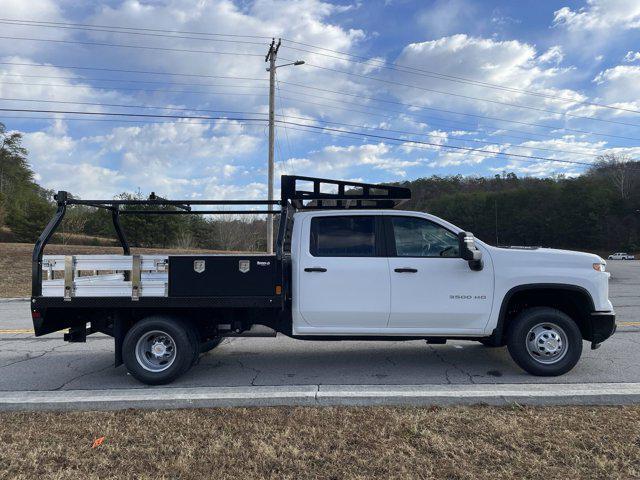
(469, 251)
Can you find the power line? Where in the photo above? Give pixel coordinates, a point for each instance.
(258, 123)
(96, 104)
(422, 118)
(138, 28)
(462, 123)
(125, 45)
(329, 129)
(551, 127)
(485, 117)
(124, 89)
(252, 123)
(423, 147)
(360, 59)
(114, 80)
(118, 114)
(467, 97)
(419, 142)
(402, 132)
(341, 107)
(442, 76)
(113, 30)
(288, 83)
(151, 82)
(120, 70)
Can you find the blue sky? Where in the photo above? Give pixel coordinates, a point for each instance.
(455, 87)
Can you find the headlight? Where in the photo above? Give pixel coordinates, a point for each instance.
(600, 267)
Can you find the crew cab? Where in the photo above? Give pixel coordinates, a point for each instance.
(348, 265)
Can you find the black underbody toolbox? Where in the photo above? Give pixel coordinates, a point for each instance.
(218, 275)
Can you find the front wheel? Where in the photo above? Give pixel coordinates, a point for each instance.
(544, 341)
(157, 350)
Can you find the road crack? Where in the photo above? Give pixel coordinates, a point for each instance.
(452, 364)
(257, 372)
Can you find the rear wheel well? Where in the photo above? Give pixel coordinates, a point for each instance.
(573, 301)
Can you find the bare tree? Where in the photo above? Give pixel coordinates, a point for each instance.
(184, 240)
(238, 233)
(619, 168)
(73, 225)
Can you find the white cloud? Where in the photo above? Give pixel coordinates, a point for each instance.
(63, 163)
(448, 158)
(620, 86)
(568, 148)
(553, 55)
(59, 85)
(632, 56)
(507, 64)
(173, 158)
(600, 14)
(249, 191)
(340, 161)
(40, 10)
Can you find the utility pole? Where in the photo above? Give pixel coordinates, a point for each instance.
(272, 54)
(271, 58)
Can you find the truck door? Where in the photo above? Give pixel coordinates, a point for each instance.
(432, 288)
(343, 274)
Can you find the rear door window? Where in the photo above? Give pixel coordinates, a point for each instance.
(343, 236)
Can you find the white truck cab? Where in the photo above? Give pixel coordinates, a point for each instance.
(391, 273)
(348, 265)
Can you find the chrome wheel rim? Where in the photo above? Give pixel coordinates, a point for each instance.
(156, 351)
(547, 343)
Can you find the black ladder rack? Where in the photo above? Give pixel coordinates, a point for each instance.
(322, 193)
(297, 193)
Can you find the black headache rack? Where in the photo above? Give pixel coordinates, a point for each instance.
(297, 193)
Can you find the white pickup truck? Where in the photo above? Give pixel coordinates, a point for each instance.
(348, 266)
(621, 256)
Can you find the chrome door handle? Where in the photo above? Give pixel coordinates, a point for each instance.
(406, 270)
(315, 269)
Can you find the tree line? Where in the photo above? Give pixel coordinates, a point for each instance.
(598, 210)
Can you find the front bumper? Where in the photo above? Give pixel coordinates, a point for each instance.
(601, 325)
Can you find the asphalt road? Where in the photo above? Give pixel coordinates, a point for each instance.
(47, 363)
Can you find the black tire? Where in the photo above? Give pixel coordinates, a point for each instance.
(175, 333)
(210, 345)
(194, 336)
(530, 328)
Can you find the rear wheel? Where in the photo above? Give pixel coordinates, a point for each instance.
(544, 341)
(157, 350)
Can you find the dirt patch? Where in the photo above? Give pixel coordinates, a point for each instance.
(332, 443)
(15, 262)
